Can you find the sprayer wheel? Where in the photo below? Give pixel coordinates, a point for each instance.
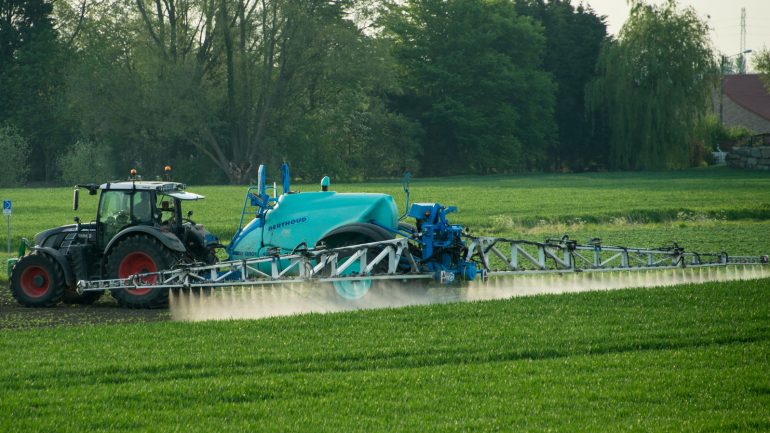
(37, 281)
(353, 290)
(135, 255)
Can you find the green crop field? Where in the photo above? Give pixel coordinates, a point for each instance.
(685, 358)
(691, 358)
(710, 209)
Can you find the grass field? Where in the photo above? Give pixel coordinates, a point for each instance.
(690, 358)
(705, 208)
(686, 358)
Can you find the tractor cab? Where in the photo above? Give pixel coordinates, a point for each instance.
(123, 205)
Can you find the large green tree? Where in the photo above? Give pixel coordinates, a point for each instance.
(574, 37)
(233, 83)
(654, 86)
(471, 75)
(32, 59)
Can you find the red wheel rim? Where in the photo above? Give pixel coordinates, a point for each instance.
(35, 281)
(138, 263)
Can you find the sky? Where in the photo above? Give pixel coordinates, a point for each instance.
(723, 16)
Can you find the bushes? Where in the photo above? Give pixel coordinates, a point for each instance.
(86, 161)
(13, 164)
(717, 134)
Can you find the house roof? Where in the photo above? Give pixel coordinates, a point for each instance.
(749, 92)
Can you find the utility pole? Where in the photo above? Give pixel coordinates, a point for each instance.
(742, 64)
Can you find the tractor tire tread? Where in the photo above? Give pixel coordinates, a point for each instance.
(57, 277)
(158, 298)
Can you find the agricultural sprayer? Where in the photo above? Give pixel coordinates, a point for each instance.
(354, 241)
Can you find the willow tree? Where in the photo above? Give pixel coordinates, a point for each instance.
(654, 85)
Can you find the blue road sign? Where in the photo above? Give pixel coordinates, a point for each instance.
(7, 207)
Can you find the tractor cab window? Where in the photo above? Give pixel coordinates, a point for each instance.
(142, 208)
(119, 209)
(167, 209)
(114, 213)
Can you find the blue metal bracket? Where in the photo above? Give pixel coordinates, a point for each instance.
(285, 178)
(405, 183)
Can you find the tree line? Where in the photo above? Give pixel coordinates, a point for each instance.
(348, 88)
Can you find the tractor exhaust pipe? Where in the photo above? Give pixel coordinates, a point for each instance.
(76, 198)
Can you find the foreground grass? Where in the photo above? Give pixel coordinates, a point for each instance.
(690, 358)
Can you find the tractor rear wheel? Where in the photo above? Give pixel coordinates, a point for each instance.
(37, 281)
(137, 255)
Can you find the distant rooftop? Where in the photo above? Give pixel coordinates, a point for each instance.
(749, 92)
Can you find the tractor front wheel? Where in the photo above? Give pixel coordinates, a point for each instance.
(139, 255)
(37, 281)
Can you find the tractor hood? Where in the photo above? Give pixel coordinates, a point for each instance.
(63, 236)
(42, 237)
(306, 217)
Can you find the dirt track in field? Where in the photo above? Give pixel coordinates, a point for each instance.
(104, 311)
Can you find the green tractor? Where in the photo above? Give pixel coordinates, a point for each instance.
(139, 228)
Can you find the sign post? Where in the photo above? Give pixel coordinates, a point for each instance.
(7, 211)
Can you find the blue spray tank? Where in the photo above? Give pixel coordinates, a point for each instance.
(294, 221)
(304, 219)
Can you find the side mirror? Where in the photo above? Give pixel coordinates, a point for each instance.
(76, 199)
